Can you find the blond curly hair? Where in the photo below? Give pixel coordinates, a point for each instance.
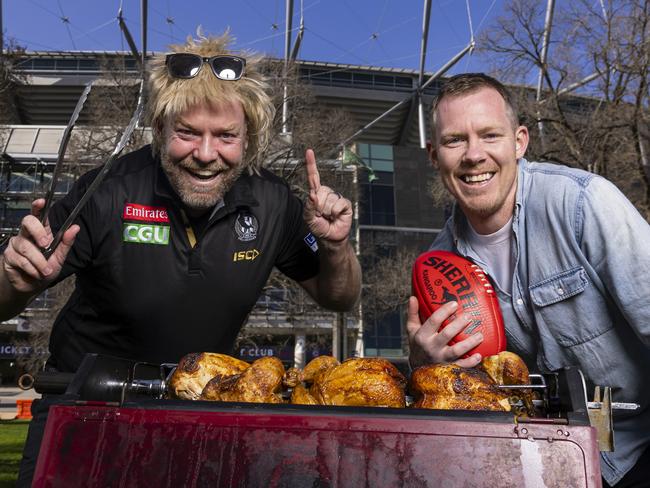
(170, 97)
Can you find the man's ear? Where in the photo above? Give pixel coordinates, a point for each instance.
(433, 157)
(521, 141)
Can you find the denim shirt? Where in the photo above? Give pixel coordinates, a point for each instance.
(580, 296)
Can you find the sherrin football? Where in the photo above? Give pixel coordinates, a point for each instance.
(440, 277)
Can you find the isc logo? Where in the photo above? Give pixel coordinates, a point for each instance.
(249, 255)
(146, 234)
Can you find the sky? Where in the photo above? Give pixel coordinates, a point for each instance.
(385, 33)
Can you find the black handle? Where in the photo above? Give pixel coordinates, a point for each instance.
(52, 382)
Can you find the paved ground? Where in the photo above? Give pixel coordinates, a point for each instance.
(8, 397)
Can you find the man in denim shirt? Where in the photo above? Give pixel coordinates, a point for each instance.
(565, 250)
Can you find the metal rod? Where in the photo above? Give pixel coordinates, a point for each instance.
(301, 33)
(426, 15)
(435, 76)
(143, 10)
(287, 54)
(615, 405)
(129, 39)
(578, 84)
(548, 22)
(449, 64)
(422, 123)
(2, 31)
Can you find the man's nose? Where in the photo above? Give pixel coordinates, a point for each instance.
(475, 152)
(206, 151)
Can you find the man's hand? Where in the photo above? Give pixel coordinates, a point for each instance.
(327, 214)
(329, 218)
(24, 266)
(429, 345)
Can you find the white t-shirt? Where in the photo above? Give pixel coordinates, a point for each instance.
(495, 250)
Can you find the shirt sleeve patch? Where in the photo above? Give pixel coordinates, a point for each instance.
(310, 240)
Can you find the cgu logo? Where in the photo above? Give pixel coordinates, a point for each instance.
(146, 234)
(245, 255)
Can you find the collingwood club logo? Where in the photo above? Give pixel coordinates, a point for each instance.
(246, 227)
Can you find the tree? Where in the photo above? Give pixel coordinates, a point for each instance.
(10, 79)
(603, 126)
(40, 325)
(108, 110)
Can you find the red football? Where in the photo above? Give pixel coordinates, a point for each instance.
(440, 277)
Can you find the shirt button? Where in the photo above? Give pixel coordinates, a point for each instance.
(520, 301)
(560, 291)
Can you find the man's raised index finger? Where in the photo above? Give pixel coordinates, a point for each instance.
(312, 171)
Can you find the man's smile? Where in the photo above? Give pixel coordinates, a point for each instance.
(477, 178)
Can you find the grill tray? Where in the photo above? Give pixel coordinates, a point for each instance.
(107, 433)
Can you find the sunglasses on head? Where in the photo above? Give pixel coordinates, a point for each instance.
(188, 65)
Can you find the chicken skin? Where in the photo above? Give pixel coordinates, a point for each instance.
(505, 368)
(196, 369)
(451, 387)
(301, 396)
(368, 382)
(260, 383)
(316, 366)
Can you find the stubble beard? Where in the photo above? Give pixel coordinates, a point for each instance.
(193, 197)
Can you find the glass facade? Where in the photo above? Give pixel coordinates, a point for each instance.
(383, 336)
(382, 332)
(376, 198)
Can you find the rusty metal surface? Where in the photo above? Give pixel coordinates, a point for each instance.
(139, 447)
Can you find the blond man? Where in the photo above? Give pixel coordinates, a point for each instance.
(172, 250)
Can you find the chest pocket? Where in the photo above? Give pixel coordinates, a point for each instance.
(560, 287)
(569, 309)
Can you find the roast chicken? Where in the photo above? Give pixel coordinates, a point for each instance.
(315, 367)
(505, 368)
(367, 382)
(451, 387)
(196, 369)
(301, 396)
(260, 383)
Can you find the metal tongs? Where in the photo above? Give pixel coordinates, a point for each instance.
(63, 145)
(126, 135)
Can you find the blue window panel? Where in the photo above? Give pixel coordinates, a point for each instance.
(363, 150)
(381, 151)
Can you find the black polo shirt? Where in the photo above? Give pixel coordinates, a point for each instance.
(143, 292)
